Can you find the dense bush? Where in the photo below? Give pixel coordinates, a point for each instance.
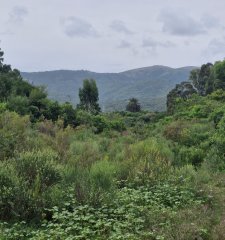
(38, 169)
(13, 134)
(13, 199)
(102, 175)
(24, 181)
(151, 159)
(190, 155)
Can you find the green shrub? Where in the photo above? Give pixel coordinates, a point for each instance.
(13, 198)
(148, 117)
(191, 155)
(27, 185)
(188, 134)
(18, 201)
(13, 134)
(3, 107)
(18, 104)
(218, 95)
(217, 115)
(101, 175)
(151, 159)
(174, 130)
(77, 178)
(38, 169)
(199, 111)
(216, 157)
(84, 154)
(83, 117)
(117, 125)
(99, 123)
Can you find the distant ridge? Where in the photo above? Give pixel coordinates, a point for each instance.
(149, 84)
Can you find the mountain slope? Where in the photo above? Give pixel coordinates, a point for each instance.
(150, 85)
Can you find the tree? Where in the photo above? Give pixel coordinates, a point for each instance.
(68, 114)
(133, 105)
(20, 96)
(4, 68)
(18, 104)
(1, 57)
(219, 75)
(183, 90)
(201, 79)
(89, 97)
(37, 97)
(51, 109)
(11, 82)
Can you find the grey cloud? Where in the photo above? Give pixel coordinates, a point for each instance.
(6, 32)
(17, 15)
(135, 52)
(120, 27)
(187, 43)
(179, 23)
(216, 47)
(151, 43)
(210, 21)
(124, 44)
(76, 27)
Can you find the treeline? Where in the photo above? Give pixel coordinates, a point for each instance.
(25, 99)
(203, 81)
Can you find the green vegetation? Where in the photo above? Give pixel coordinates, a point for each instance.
(133, 105)
(89, 97)
(23, 98)
(70, 173)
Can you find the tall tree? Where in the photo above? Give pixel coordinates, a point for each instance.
(133, 105)
(201, 79)
(89, 97)
(4, 68)
(183, 90)
(1, 57)
(219, 75)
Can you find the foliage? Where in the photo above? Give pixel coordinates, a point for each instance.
(13, 134)
(38, 169)
(68, 114)
(183, 90)
(151, 159)
(89, 96)
(18, 104)
(102, 174)
(1, 57)
(124, 218)
(219, 74)
(23, 98)
(133, 105)
(205, 80)
(202, 79)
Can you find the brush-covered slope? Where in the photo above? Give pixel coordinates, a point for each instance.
(150, 85)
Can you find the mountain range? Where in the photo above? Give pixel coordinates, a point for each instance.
(149, 85)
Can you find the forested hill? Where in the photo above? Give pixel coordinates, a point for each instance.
(150, 85)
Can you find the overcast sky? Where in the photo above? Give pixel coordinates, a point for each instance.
(111, 35)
